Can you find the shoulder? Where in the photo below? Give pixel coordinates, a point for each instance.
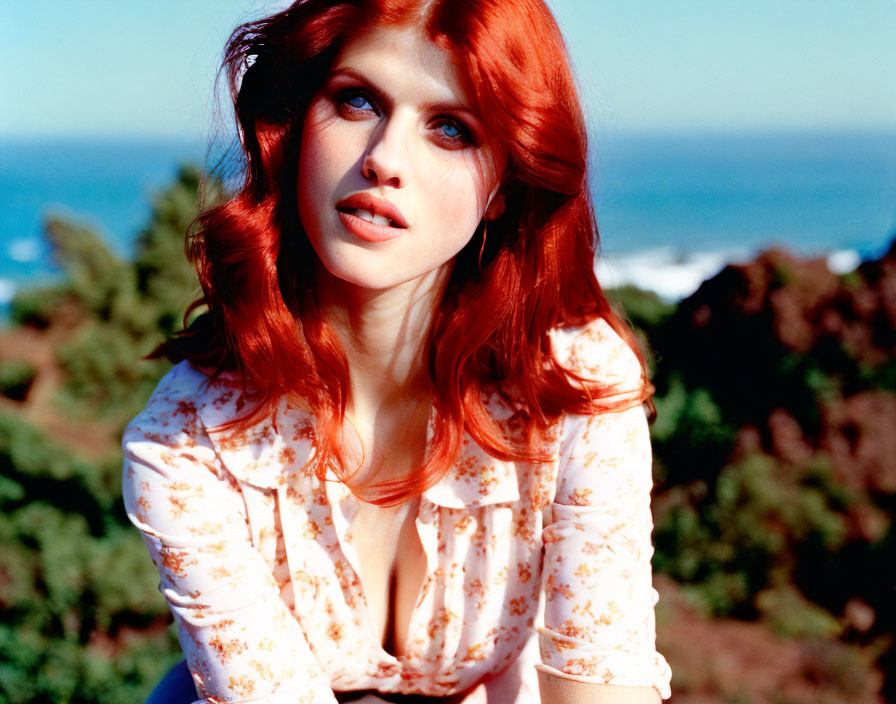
(199, 420)
(170, 416)
(599, 354)
(174, 485)
(607, 450)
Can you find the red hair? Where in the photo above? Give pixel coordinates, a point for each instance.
(533, 271)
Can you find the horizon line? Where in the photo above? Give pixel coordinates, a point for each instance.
(599, 130)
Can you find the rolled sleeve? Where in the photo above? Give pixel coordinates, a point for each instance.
(599, 622)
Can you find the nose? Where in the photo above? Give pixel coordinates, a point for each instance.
(386, 160)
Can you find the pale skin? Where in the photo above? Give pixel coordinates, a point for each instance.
(392, 121)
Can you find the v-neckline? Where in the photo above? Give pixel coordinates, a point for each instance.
(343, 509)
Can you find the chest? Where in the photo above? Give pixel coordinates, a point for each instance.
(391, 566)
(444, 587)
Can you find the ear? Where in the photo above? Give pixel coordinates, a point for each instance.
(496, 207)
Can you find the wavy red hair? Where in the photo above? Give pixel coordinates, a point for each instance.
(534, 270)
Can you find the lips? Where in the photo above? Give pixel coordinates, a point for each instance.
(372, 209)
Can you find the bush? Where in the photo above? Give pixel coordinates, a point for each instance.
(16, 378)
(76, 580)
(82, 619)
(738, 534)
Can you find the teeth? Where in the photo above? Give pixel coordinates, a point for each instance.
(375, 219)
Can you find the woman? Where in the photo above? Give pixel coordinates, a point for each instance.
(409, 429)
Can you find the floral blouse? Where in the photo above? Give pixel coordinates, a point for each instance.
(529, 566)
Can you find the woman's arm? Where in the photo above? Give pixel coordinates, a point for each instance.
(240, 640)
(558, 690)
(598, 643)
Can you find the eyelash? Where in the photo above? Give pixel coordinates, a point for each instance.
(464, 137)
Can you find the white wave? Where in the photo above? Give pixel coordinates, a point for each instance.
(842, 261)
(665, 271)
(7, 291)
(675, 275)
(24, 250)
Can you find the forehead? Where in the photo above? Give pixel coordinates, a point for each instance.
(404, 57)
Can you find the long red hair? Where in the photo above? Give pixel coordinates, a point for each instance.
(533, 270)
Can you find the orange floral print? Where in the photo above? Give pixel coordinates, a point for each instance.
(255, 561)
(242, 685)
(226, 649)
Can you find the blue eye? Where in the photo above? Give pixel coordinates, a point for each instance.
(453, 133)
(353, 102)
(357, 101)
(451, 130)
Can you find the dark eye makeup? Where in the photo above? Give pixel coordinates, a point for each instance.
(357, 103)
(453, 131)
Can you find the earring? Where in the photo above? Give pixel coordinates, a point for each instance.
(482, 248)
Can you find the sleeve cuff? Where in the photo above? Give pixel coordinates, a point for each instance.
(580, 661)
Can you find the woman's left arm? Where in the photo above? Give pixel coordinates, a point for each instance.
(559, 690)
(598, 640)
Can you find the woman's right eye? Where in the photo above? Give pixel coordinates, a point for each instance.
(356, 102)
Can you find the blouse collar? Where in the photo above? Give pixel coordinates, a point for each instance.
(274, 452)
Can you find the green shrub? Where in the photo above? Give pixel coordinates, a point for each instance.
(81, 618)
(16, 378)
(36, 306)
(731, 537)
(79, 590)
(791, 615)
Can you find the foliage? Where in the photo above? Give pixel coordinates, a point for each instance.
(691, 439)
(102, 283)
(36, 307)
(164, 276)
(16, 378)
(775, 488)
(645, 311)
(76, 581)
(82, 620)
(734, 536)
(126, 308)
(794, 616)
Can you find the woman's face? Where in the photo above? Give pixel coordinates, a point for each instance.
(395, 171)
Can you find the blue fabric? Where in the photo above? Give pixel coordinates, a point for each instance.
(175, 688)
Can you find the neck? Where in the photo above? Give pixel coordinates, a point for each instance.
(383, 334)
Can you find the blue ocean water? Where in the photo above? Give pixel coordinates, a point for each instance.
(810, 192)
(667, 201)
(107, 184)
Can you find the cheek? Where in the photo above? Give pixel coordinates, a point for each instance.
(325, 157)
(306, 186)
(314, 162)
(461, 193)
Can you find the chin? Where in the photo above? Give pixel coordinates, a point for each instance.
(363, 277)
(371, 283)
(374, 276)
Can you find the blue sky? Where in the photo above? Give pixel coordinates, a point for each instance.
(144, 68)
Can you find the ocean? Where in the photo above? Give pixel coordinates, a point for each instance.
(672, 209)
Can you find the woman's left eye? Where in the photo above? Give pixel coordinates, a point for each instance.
(452, 132)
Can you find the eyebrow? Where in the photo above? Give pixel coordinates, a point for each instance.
(439, 106)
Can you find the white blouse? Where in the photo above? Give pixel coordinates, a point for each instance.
(529, 566)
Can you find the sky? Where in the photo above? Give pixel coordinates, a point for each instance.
(144, 68)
